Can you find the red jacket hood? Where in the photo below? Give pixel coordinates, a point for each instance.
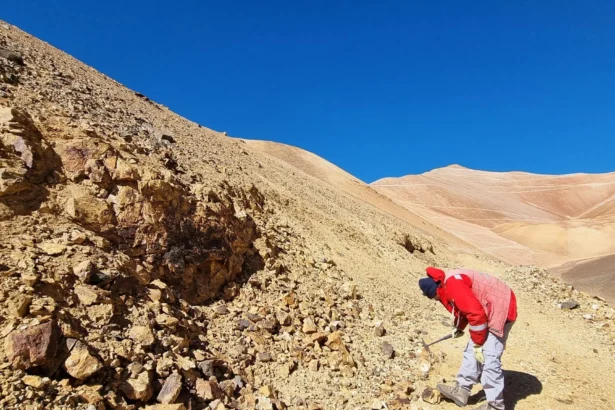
(436, 274)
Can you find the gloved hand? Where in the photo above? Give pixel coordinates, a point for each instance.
(456, 333)
(478, 354)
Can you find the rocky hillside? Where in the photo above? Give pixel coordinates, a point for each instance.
(149, 262)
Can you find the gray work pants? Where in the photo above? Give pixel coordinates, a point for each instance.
(490, 374)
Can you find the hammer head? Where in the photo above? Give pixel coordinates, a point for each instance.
(425, 351)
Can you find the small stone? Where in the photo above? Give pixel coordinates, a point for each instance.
(379, 330)
(29, 279)
(91, 393)
(101, 314)
(87, 296)
(138, 388)
(84, 270)
(264, 357)
(425, 367)
(569, 305)
(154, 294)
(142, 335)
(243, 324)
(318, 337)
(588, 317)
(266, 391)
(177, 406)
(284, 318)
(164, 366)
(36, 382)
(388, 350)
(337, 325)
(52, 249)
(221, 310)
(170, 389)
(270, 326)
(207, 368)
(217, 405)
(314, 365)
(208, 390)
(286, 369)
(158, 284)
(431, 396)
(228, 387)
(185, 363)
(309, 327)
(77, 237)
(166, 320)
(239, 382)
(19, 305)
(406, 388)
(254, 317)
(348, 290)
(377, 405)
(291, 300)
(81, 364)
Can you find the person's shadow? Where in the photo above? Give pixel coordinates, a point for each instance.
(518, 386)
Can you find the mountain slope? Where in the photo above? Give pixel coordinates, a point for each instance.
(518, 217)
(331, 175)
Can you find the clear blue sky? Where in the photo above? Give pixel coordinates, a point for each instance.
(383, 88)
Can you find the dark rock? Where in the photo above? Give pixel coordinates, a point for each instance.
(168, 138)
(431, 396)
(221, 310)
(254, 317)
(207, 368)
(170, 389)
(270, 325)
(569, 305)
(388, 350)
(243, 324)
(284, 318)
(35, 346)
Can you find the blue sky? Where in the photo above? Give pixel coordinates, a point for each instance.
(380, 89)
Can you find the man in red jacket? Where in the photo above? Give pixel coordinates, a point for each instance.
(489, 307)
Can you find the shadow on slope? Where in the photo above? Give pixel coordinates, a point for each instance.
(519, 386)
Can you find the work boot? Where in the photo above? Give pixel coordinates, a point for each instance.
(456, 393)
(486, 406)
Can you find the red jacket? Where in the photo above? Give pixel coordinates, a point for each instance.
(477, 299)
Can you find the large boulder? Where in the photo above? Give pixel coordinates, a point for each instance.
(34, 346)
(87, 210)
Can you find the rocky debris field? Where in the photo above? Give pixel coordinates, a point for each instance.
(148, 262)
(130, 281)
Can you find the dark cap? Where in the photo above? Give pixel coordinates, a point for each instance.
(428, 286)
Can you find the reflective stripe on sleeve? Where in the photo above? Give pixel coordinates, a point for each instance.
(479, 327)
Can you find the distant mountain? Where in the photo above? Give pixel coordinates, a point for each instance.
(522, 218)
(331, 175)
